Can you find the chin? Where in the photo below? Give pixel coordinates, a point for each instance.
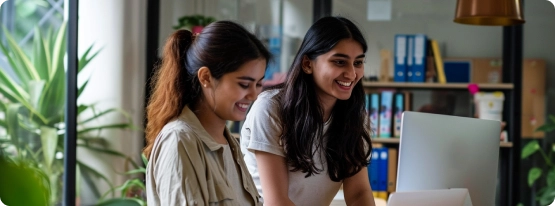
(343, 97)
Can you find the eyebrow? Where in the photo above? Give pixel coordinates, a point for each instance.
(248, 78)
(347, 56)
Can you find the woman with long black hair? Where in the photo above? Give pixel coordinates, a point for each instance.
(304, 138)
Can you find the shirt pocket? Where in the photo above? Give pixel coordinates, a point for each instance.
(220, 193)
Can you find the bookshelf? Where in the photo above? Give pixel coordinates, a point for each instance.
(457, 86)
(397, 140)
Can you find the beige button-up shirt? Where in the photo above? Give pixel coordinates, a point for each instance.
(186, 167)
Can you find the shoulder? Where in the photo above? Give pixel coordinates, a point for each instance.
(265, 103)
(175, 134)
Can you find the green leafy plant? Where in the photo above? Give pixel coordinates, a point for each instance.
(546, 194)
(188, 22)
(131, 192)
(32, 101)
(22, 183)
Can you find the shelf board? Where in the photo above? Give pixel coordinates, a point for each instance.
(396, 141)
(409, 85)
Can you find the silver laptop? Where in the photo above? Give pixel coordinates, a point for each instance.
(443, 152)
(446, 197)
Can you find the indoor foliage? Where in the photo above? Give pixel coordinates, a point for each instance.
(32, 101)
(546, 194)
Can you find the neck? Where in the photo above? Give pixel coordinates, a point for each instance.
(327, 105)
(210, 121)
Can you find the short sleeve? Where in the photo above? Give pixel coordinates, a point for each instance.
(262, 128)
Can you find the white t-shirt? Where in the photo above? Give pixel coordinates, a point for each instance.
(261, 132)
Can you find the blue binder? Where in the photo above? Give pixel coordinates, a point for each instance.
(382, 169)
(400, 56)
(386, 114)
(374, 113)
(418, 56)
(410, 51)
(373, 169)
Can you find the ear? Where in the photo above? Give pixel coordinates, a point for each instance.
(306, 65)
(204, 77)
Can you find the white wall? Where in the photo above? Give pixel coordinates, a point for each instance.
(117, 76)
(431, 17)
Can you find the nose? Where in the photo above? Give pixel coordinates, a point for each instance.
(350, 73)
(253, 93)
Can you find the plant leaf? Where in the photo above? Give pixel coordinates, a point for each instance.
(97, 116)
(85, 167)
(533, 175)
(12, 122)
(552, 118)
(547, 196)
(530, 149)
(136, 171)
(35, 92)
(85, 59)
(121, 202)
(3, 124)
(129, 184)
(546, 128)
(551, 177)
(81, 108)
(82, 88)
(40, 55)
(145, 160)
(109, 152)
(108, 126)
(27, 67)
(59, 50)
(12, 86)
(87, 177)
(49, 140)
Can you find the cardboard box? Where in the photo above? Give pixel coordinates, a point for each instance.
(533, 97)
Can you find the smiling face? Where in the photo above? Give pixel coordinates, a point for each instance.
(231, 95)
(336, 72)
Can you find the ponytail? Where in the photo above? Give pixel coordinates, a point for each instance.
(222, 47)
(174, 87)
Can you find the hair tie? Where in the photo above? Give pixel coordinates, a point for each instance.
(194, 36)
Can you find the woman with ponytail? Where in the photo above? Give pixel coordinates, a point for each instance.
(204, 80)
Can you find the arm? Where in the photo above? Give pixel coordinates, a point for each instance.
(274, 178)
(357, 189)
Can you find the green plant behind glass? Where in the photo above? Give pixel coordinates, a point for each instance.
(33, 106)
(546, 194)
(188, 22)
(132, 192)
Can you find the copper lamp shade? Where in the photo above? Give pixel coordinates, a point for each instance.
(489, 12)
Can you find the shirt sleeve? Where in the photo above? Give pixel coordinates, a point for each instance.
(262, 128)
(176, 183)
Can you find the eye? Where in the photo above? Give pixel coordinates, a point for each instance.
(358, 63)
(339, 62)
(244, 86)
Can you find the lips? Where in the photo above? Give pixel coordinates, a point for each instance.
(345, 84)
(242, 106)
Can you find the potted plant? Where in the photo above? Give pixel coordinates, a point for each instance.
(194, 23)
(546, 194)
(32, 101)
(132, 192)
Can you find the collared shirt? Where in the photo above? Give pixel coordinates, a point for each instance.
(186, 167)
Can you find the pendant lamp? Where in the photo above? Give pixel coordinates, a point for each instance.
(489, 12)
